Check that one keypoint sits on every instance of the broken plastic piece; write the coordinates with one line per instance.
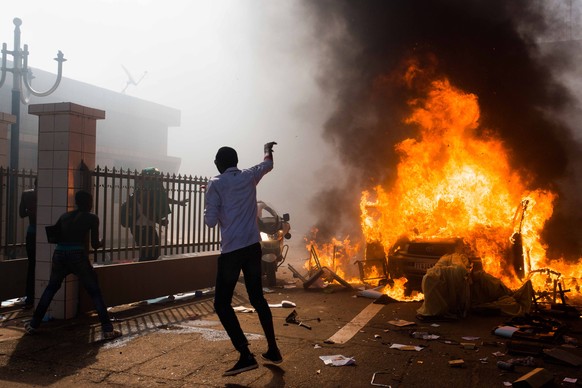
(456, 363)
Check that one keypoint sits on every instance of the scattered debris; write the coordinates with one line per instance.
(372, 294)
(531, 327)
(424, 335)
(570, 380)
(505, 365)
(470, 338)
(284, 303)
(524, 361)
(337, 360)
(457, 363)
(468, 345)
(525, 348)
(243, 309)
(292, 318)
(316, 346)
(320, 270)
(505, 331)
(498, 354)
(406, 347)
(563, 356)
(296, 274)
(538, 377)
(401, 323)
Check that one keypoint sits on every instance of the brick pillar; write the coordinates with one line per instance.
(5, 121)
(66, 139)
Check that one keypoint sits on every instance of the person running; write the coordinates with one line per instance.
(231, 202)
(76, 229)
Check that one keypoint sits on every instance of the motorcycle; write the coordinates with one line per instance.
(274, 231)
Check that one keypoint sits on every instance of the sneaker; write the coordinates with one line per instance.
(109, 335)
(273, 355)
(28, 329)
(243, 365)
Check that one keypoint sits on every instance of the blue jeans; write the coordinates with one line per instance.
(247, 260)
(76, 262)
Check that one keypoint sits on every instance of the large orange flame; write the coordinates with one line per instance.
(455, 180)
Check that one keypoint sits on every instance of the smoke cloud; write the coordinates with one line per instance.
(489, 48)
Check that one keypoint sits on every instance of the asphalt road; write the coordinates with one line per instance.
(180, 343)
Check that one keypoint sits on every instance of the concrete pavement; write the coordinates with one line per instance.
(181, 343)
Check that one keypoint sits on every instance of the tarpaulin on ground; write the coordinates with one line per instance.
(451, 288)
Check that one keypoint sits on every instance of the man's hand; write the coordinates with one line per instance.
(269, 147)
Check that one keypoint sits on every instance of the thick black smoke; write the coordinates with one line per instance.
(477, 46)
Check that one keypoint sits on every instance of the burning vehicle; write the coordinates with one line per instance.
(274, 231)
(447, 199)
(411, 259)
(442, 141)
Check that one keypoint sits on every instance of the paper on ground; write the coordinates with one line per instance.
(406, 347)
(337, 360)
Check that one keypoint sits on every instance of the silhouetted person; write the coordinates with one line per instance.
(231, 202)
(77, 229)
(152, 209)
(27, 208)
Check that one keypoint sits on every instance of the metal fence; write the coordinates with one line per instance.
(12, 227)
(148, 214)
(163, 214)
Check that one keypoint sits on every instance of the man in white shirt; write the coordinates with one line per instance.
(231, 202)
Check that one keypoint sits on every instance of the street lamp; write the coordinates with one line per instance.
(21, 75)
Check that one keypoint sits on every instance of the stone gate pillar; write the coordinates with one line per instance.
(5, 121)
(66, 140)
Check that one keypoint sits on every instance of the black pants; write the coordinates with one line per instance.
(146, 237)
(247, 260)
(75, 262)
(30, 271)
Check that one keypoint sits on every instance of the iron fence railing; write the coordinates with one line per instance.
(171, 208)
(148, 214)
(12, 227)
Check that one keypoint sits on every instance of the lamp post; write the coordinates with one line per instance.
(21, 76)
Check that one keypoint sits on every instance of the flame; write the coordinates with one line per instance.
(455, 180)
(337, 255)
(397, 291)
